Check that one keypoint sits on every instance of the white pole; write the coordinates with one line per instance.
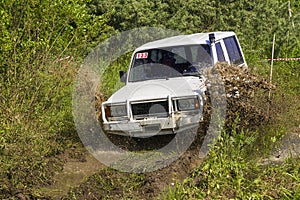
(288, 33)
(272, 61)
(271, 74)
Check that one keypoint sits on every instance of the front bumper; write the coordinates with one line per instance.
(153, 126)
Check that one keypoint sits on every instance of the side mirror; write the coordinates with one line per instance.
(212, 38)
(123, 76)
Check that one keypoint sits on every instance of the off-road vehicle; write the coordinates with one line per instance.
(164, 88)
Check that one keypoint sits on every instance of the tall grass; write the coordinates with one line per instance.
(229, 173)
(35, 125)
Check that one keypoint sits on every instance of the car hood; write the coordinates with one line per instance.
(157, 89)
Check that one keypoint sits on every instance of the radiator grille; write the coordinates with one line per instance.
(142, 110)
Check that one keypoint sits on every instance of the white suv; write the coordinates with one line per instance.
(165, 90)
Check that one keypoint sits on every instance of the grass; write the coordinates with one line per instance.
(35, 125)
(229, 173)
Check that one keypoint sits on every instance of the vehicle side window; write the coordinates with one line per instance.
(220, 52)
(233, 50)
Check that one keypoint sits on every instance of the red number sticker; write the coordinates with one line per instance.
(142, 55)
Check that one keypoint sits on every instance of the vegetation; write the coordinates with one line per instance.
(36, 82)
(230, 173)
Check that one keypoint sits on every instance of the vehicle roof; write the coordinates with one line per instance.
(180, 40)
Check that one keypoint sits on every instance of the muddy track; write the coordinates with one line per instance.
(80, 166)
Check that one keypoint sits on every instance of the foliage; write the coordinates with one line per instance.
(111, 79)
(36, 117)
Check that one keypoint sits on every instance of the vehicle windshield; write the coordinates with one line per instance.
(168, 62)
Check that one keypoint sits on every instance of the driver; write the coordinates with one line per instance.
(168, 59)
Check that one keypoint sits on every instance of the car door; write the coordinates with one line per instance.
(222, 55)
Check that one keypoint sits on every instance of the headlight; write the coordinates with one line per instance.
(115, 110)
(188, 104)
